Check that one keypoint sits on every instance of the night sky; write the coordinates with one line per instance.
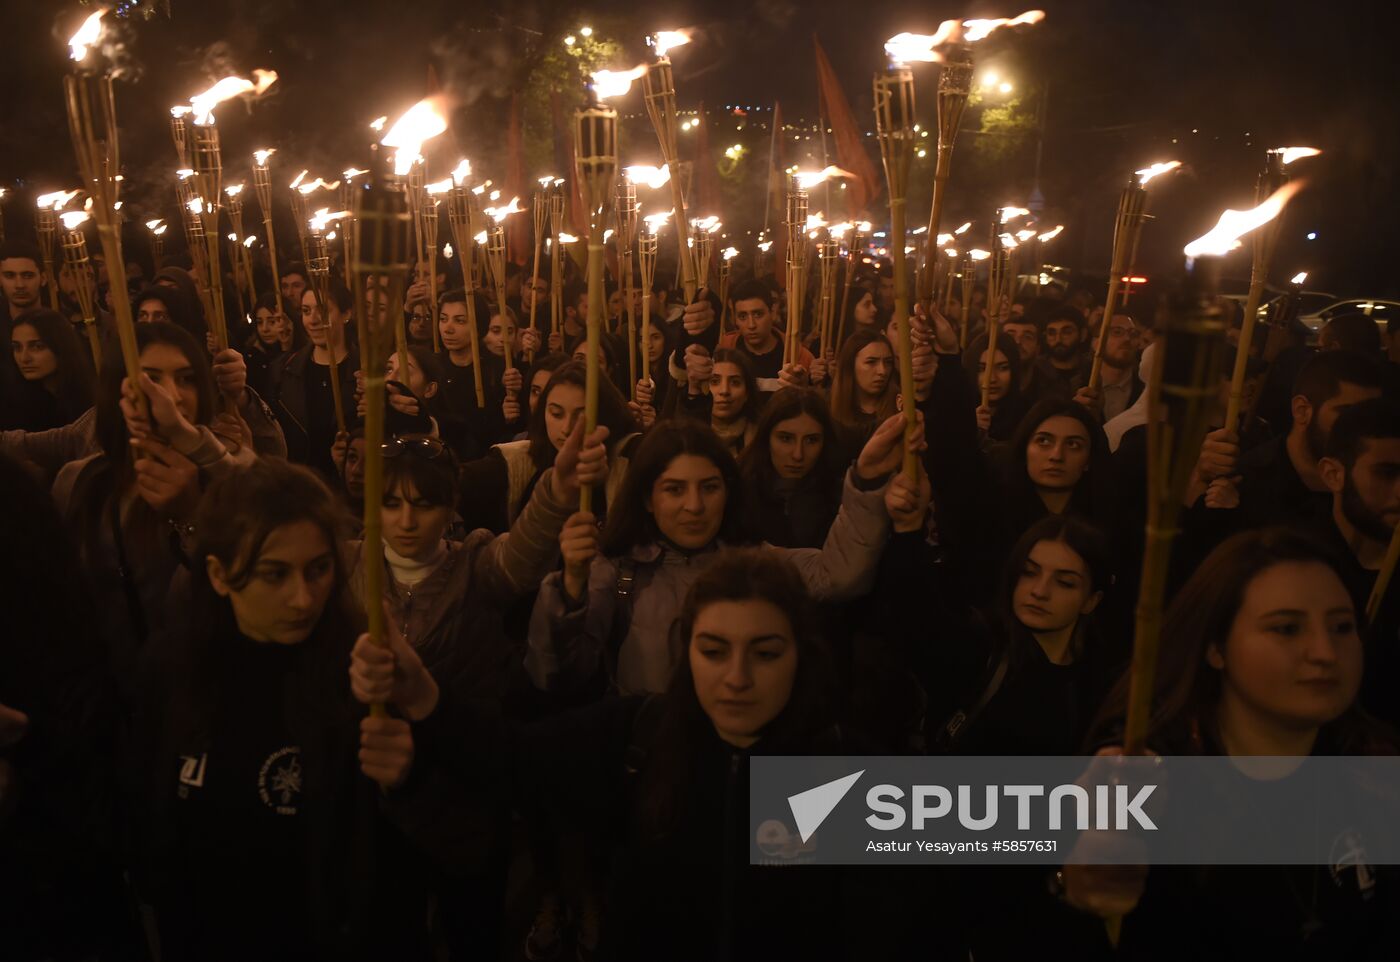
(1211, 83)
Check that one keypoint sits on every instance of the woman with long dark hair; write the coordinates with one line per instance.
(257, 828)
(863, 387)
(1057, 462)
(55, 369)
(793, 469)
(610, 611)
(669, 773)
(728, 401)
(265, 347)
(1261, 656)
(1006, 405)
(496, 488)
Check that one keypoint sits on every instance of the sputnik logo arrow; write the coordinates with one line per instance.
(810, 808)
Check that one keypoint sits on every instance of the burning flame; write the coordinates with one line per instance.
(1290, 154)
(55, 201)
(974, 30)
(648, 176)
(979, 255)
(665, 41)
(815, 220)
(1051, 234)
(615, 83)
(499, 214)
(462, 171)
(546, 181)
(203, 103)
(159, 230)
(764, 246)
(480, 238)
(919, 48)
(233, 190)
(260, 156)
(440, 187)
(964, 228)
(86, 36)
(323, 217)
(807, 179)
(180, 110)
(865, 227)
(447, 250)
(184, 173)
(566, 238)
(1024, 235)
(1011, 213)
(232, 236)
(299, 178)
(152, 224)
(1300, 278)
(944, 240)
(839, 230)
(706, 225)
(495, 195)
(306, 190)
(951, 251)
(1008, 242)
(73, 219)
(350, 173)
(423, 121)
(196, 205)
(250, 240)
(1147, 173)
(1234, 224)
(656, 221)
(729, 253)
(377, 124)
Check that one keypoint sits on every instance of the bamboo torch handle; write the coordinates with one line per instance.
(906, 341)
(595, 314)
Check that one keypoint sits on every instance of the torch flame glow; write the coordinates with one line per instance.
(447, 250)
(615, 83)
(656, 221)
(815, 220)
(377, 124)
(233, 190)
(440, 187)
(1290, 154)
(566, 238)
(1147, 173)
(920, 48)
(974, 30)
(87, 35)
(462, 171)
(250, 240)
(196, 205)
(306, 190)
(1051, 234)
(839, 230)
(73, 219)
(323, 217)
(152, 224)
(951, 251)
(180, 110)
(1024, 235)
(350, 173)
(708, 225)
(203, 103)
(260, 156)
(1008, 242)
(807, 179)
(499, 214)
(55, 201)
(764, 246)
(964, 228)
(159, 230)
(729, 253)
(648, 176)
(546, 181)
(944, 240)
(665, 41)
(1300, 278)
(423, 121)
(232, 236)
(865, 227)
(978, 254)
(1234, 224)
(184, 173)
(299, 178)
(1011, 213)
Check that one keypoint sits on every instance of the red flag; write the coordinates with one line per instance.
(851, 155)
(705, 198)
(773, 226)
(520, 239)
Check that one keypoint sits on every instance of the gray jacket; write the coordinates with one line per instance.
(568, 641)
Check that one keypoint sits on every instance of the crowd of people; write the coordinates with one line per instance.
(190, 768)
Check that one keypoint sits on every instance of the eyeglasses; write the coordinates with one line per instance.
(420, 444)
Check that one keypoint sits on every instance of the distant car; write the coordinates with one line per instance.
(1308, 301)
(1381, 311)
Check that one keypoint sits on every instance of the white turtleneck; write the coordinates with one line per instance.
(408, 571)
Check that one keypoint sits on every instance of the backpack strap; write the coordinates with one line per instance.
(959, 720)
(623, 592)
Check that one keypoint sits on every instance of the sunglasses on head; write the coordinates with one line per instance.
(420, 444)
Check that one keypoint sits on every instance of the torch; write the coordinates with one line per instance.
(1127, 229)
(234, 193)
(382, 254)
(299, 213)
(1264, 242)
(319, 268)
(626, 229)
(659, 84)
(92, 123)
(262, 184)
(180, 133)
(461, 207)
(894, 119)
(646, 258)
(157, 228)
(726, 257)
(954, 85)
(556, 257)
(540, 212)
(3, 192)
(595, 167)
(859, 232)
(828, 254)
(45, 231)
(76, 255)
(496, 261)
(796, 224)
(349, 197)
(430, 243)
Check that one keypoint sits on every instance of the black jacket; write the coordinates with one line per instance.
(288, 401)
